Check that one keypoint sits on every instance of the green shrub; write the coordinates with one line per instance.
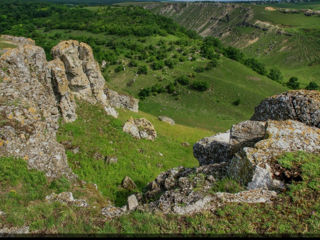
(200, 86)
(145, 92)
(157, 65)
(236, 102)
(60, 185)
(312, 86)
(199, 69)
(293, 83)
(119, 69)
(169, 63)
(183, 80)
(233, 53)
(142, 70)
(256, 66)
(170, 88)
(212, 64)
(275, 75)
(133, 64)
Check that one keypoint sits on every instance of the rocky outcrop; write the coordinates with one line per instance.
(18, 40)
(29, 112)
(35, 93)
(117, 100)
(246, 154)
(300, 105)
(190, 190)
(167, 120)
(66, 198)
(140, 128)
(65, 99)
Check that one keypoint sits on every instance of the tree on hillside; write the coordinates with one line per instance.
(312, 86)
(275, 75)
(293, 83)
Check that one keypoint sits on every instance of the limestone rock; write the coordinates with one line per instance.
(128, 183)
(167, 120)
(112, 212)
(14, 231)
(187, 191)
(18, 40)
(254, 165)
(140, 128)
(29, 112)
(65, 98)
(117, 100)
(132, 202)
(213, 149)
(66, 197)
(299, 105)
(111, 159)
(83, 72)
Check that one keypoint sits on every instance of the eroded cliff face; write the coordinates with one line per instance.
(35, 93)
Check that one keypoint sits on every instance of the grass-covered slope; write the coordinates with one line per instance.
(23, 192)
(98, 135)
(296, 52)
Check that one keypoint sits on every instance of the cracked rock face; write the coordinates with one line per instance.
(188, 190)
(117, 100)
(299, 105)
(254, 165)
(34, 93)
(29, 112)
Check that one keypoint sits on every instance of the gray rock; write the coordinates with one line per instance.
(299, 105)
(167, 120)
(132, 202)
(117, 100)
(67, 198)
(111, 159)
(140, 128)
(112, 212)
(128, 183)
(14, 231)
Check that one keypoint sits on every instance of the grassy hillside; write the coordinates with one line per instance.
(143, 50)
(295, 52)
(99, 135)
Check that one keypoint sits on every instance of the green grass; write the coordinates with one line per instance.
(94, 132)
(212, 109)
(5, 44)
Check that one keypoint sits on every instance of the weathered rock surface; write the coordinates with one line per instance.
(128, 183)
(300, 105)
(132, 202)
(117, 100)
(29, 112)
(14, 231)
(18, 40)
(189, 190)
(34, 93)
(167, 120)
(67, 198)
(254, 165)
(140, 128)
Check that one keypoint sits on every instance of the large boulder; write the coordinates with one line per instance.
(222, 146)
(140, 128)
(255, 166)
(300, 105)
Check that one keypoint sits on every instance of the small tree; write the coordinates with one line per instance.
(275, 75)
(200, 86)
(293, 83)
(312, 86)
(183, 80)
(142, 70)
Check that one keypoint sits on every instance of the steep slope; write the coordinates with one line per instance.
(286, 39)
